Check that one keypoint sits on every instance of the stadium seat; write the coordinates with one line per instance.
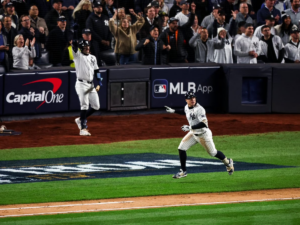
(108, 57)
(44, 60)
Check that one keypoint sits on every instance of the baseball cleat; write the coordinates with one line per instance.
(230, 167)
(84, 132)
(78, 122)
(180, 174)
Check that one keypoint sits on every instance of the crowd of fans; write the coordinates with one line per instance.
(150, 32)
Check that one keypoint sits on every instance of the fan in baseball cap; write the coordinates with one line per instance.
(61, 19)
(270, 17)
(172, 19)
(295, 29)
(86, 31)
(183, 2)
(9, 4)
(97, 3)
(154, 4)
(217, 6)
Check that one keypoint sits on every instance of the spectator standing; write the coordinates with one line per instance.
(228, 7)
(158, 18)
(109, 8)
(99, 26)
(44, 6)
(150, 21)
(4, 50)
(125, 37)
(3, 3)
(294, 12)
(57, 40)
(283, 30)
(243, 15)
(270, 21)
(250, 12)
(175, 8)
(67, 56)
(152, 48)
(140, 6)
(163, 7)
(20, 7)
(266, 11)
(220, 21)
(10, 34)
(36, 21)
(21, 53)
(183, 16)
(53, 15)
(29, 32)
(204, 47)
(223, 55)
(81, 13)
(210, 18)
(174, 39)
(292, 49)
(247, 47)
(272, 49)
(10, 11)
(68, 7)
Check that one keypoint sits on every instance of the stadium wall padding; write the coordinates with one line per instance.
(261, 88)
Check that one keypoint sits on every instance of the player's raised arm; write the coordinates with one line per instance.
(75, 38)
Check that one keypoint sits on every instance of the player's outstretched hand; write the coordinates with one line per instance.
(185, 128)
(98, 88)
(170, 110)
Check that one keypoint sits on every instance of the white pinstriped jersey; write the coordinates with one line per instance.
(196, 115)
(85, 66)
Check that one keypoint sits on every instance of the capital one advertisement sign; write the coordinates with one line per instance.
(36, 93)
(169, 86)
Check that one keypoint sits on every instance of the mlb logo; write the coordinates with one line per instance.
(160, 88)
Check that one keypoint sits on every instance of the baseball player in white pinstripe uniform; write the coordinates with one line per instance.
(86, 68)
(198, 132)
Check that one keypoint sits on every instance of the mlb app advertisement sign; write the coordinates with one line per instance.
(36, 93)
(169, 86)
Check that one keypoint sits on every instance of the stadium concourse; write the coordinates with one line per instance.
(63, 131)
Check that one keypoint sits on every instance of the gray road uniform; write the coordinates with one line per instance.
(202, 136)
(243, 46)
(205, 52)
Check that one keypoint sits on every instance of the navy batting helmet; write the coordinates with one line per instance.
(83, 43)
(189, 95)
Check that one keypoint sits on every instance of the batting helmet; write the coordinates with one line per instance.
(82, 44)
(189, 95)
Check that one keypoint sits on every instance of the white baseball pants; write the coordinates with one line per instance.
(89, 98)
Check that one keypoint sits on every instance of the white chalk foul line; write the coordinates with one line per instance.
(147, 207)
(58, 206)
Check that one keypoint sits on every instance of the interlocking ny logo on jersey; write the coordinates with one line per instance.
(193, 116)
(48, 97)
(93, 61)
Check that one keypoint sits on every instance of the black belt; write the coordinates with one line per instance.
(200, 134)
(85, 81)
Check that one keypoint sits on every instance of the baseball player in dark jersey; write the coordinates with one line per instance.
(86, 69)
(198, 132)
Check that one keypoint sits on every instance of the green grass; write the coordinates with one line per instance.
(278, 212)
(273, 148)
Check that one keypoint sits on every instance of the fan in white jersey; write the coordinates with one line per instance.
(198, 132)
(86, 68)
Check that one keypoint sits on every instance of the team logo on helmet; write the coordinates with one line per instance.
(189, 95)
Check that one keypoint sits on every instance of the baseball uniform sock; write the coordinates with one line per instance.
(90, 112)
(220, 155)
(83, 119)
(182, 156)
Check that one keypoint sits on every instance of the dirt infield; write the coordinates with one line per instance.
(148, 202)
(107, 129)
